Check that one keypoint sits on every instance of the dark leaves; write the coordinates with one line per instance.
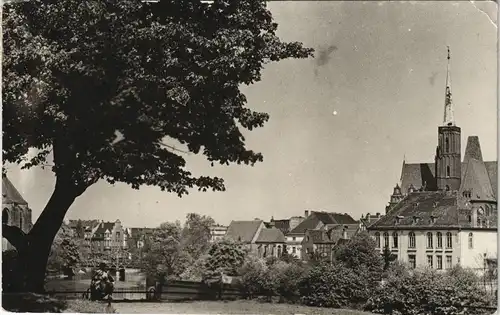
(76, 73)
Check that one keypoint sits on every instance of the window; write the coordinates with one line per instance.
(439, 237)
(395, 239)
(412, 261)
(448, 171)
(20, 221)
(478, 221)
(5, 216)
(294, 250)
(449, 240)
(293, 238)
(377, 239)
(386, 239)
(411, 240)
(447, 188)
(470, 218)
(117, 234)
(430, 261)
(429, 240)
(471, 241)
(447, 145)
(448, 262)
(439, 262)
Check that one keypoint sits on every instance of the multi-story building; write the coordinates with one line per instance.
(316, 220)
(108, 236)
(15, 210)
(444, 213)
(217, 232)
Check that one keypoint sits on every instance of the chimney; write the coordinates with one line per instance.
(378, 214)
(306, 213)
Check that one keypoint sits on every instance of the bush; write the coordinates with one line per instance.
(289, 277)
(254, 274)
(333, 285)
(428, 292)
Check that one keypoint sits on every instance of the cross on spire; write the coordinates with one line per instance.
(448, 119)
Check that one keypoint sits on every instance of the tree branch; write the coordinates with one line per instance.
(173, 148)
(15, 236)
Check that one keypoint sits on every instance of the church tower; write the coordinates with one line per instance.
(448, 158)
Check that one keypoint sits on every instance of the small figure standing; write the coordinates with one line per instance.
(102, 284)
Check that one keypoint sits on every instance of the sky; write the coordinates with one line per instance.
(381, 67)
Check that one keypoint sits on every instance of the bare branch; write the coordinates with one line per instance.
(174, 148)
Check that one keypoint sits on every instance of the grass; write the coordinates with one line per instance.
(232, 307)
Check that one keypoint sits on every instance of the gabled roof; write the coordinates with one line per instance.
(477, 181)
(282, 225)
(243, 231)
(10, 195)
(140, 232)
(102, 228)
(272, 235)
(316, 217)
(423, 209)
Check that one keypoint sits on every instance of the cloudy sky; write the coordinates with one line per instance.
(380, 66)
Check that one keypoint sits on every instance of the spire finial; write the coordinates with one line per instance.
(448, 119)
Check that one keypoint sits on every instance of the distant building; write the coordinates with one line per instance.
(369, 219)
(323, 242)
(83, 228)
(217, 232)
(316, 220)
(444, 213)
(139, 236)
(285, 225)
(16, 211)
(108, 236)
(259, 240)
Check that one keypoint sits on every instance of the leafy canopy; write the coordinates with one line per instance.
(100, 86)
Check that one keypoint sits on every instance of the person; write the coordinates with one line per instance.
(102, 283)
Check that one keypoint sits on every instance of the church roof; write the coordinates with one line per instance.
(477, 181)
(481, 176)
(10, 195)
(243, 231)
(272, 235)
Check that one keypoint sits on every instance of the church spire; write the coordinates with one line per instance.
(448, 119)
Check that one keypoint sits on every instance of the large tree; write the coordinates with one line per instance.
(196, 234)
(98, 87)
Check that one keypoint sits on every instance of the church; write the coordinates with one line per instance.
(15, 210)
(444, 213)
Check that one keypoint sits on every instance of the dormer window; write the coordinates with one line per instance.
(399, 218)
(433, 219)
(415, 219)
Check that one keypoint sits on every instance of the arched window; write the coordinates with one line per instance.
(470, 218)
(5, 216)
(447, 188)
(448, 171)
(429, 240)
(471, 241)
(411, 240)
(447, 145)
(449, 240)
(20, 221)
(386, 239)
(377, 239)
(439, 237)
(395, 239)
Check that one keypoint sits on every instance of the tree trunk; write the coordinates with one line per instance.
(35, 255)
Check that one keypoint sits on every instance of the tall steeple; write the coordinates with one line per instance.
(449, 119)
(448, 161)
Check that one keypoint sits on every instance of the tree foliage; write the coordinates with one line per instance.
(165, 257)
(224, 257)
(359, 254)
(65, 254)
(104, 89)
(196, 234)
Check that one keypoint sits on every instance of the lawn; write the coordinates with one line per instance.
(232, 307)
